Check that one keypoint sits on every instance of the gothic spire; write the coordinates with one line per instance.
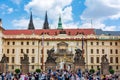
(31, 25)
(46, 24)
(60, 23)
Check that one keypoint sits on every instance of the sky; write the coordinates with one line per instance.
(98, 14)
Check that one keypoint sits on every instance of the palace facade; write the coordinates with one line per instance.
(95, 42)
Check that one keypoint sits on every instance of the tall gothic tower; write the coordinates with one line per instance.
(46, 24)
(31, 25)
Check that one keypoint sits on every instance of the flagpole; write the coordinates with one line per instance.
(82, 45)
(43, 52)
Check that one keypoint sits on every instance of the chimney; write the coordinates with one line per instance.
(0, 22)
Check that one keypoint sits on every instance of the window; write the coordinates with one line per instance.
(110, 43)
(8, 59)
(116, 59)
(22, 43)
(21, 58)
(33, 59)
(13, 50)
(13, 60)
(116, 44)
(116, 51)
(97, 59)
(97, 43)
(8, 43)
(111, 51)
(92, 60)
(102, 43)
(13, 43)
(111, 59)
(33, 43)
(98, 67)
(20, 66)
(103, 51)
(91, 51)
(47, 43)
(27, 50)
(27, 43)
(97, 51)
(7, 50)
(32, 66)
(91, 67)
(41, 60)
(12, 66)
(117, 68)
(21, 50)
(91, 43)
(33, 50)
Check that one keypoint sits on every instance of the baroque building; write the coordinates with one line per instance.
(36, 43)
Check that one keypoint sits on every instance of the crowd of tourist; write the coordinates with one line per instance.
(59, 75)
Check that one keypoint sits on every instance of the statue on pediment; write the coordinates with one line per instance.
(50, 57)
(4, 59)
(78, 55)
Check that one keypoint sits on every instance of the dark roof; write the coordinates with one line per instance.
(112, 33)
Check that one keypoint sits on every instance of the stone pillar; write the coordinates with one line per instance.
(3, 64)
(80, 65)
(25, 68)
(105, 68)
(3, 67)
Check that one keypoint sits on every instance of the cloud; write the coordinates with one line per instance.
(10, 10)
(3, 6)
(54, 9)
(98, 25)
(4, 9)
(23, 23)
(100, 10)
(16, 1)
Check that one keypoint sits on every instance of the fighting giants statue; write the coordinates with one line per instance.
(78, 56)
(50, 62)
(104, 65)
(25, 63)
(104, 58)
(79, 60)
(50, 57)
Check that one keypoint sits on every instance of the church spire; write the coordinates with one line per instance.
(31, 25)
(60, 23)
(46, 24)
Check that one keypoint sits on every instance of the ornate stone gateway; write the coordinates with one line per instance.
(62, 58)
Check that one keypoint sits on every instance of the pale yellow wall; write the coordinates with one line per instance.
(53, 43)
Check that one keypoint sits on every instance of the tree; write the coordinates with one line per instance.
(111, 71)
(38, 70)
(92, 71)
(17, 71)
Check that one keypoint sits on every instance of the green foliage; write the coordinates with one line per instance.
(98, 68)
(111, 71)
(17, 71)
(38, 70)
(92, 71)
